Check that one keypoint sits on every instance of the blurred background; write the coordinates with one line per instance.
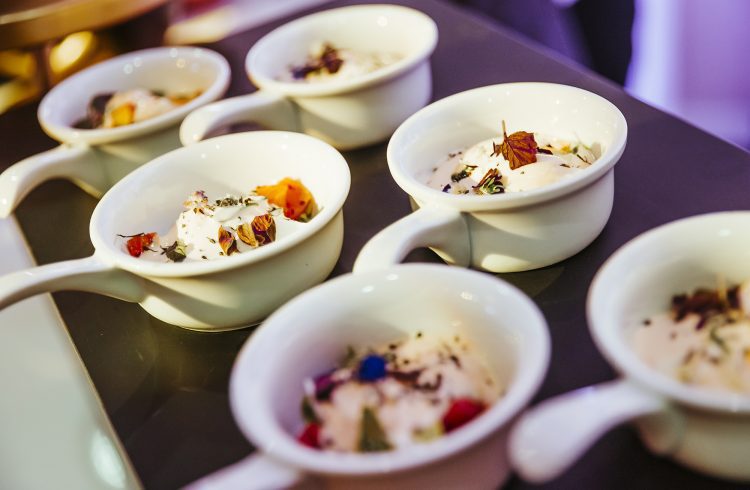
(683, 56)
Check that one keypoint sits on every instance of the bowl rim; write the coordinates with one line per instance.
(620, 355)
(68, 134)
(424, 194)
(267, 81)
(335, 166)
(260, 426)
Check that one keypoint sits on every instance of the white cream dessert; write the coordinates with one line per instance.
(210, 229)
(129, 106)
(403, 393)
(326, 62)
(704, 340)
(483, 168)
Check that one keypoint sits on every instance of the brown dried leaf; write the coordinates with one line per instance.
(519, 148)
(264, 229)
(245, 233)
(226, 241)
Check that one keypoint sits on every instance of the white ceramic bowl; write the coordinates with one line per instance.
(501, 232)
(309, 334)
(704, 429)
(234, 291)
(97, 158)
(345, 113)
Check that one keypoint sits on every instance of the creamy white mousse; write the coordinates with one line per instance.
(462, 171)
(197, 228)
(410, 406)
(353, 64)
(145, 105)
(707, 350)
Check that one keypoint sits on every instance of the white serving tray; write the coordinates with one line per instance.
(54, 432)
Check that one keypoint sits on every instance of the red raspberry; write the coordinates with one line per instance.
(460, 412)
(309, 436)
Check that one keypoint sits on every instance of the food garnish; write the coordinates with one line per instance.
(226, 241)
(111, 110)
(292, 196)
(208, 229)
(175, 252)
(405, 392)
(491, 183)
(139, 242)
(328, 60)
(518, 149)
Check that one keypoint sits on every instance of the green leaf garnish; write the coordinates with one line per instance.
(308, 412)
(372, 437)
(427, 434)
(175, 252)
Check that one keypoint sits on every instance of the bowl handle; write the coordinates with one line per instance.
(256, 472)
(553, 435)
(89, 274)
(269, 110)
(73, 162)
(428, 226)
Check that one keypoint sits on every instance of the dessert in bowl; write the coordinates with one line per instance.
(496, 223)
(408, 306)
(231, 291)
(153, 91)
(689, 402)
(374, 74)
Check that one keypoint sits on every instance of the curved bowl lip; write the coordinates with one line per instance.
(622, 356)
(69, 134)
(268, 82)
(335, 166)
(260, 425)
(421, 192)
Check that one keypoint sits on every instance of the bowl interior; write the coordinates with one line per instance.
(366, 28)
(372, 309)
(424, 140)
(640, 279)
(150, 198)
(171, 70)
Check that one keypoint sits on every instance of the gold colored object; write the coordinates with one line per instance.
(32, 22)
(45, 41)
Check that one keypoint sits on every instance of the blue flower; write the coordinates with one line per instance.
(371, 368)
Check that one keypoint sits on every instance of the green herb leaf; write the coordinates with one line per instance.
(175, 252)
(427, 434)
(491, 183)
(308, 412)
(463, 173)
(372, 437)
(349, 358)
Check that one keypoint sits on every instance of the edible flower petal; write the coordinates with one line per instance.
(371, 368)
(310, 436)
(461, 411)
(226, 241)
(245, 233)
(264, 229)
(324, 385)
(292, 196)
(136, 244)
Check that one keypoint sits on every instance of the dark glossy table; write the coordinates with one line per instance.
(165, 388)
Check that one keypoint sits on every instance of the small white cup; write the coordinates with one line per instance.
(347, 113)
(308, 335)
(97, 158)
(703, 429)
(230, 292)
(503, 232)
